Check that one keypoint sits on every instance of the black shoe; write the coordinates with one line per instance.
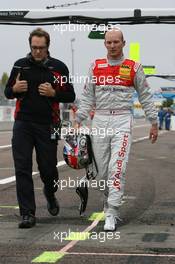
(28, 221)
(52, 203)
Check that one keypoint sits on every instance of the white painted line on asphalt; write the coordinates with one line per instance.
(5, 132)
(5, 146)
(148, 125)
(8, 180)
(147, 137)
(13, 178)
(62, 162)
(139, 139)
(122, 254)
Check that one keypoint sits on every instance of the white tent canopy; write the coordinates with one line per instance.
(89, 16)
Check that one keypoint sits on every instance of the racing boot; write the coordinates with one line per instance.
(110, 223)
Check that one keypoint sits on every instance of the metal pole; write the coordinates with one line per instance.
(72, 55)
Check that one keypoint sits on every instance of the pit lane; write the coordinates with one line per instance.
(148, 214)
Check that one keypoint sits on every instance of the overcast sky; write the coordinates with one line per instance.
(156, 41)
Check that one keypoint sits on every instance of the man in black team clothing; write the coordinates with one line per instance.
(38, 82)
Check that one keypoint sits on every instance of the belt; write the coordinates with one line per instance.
(112, 112)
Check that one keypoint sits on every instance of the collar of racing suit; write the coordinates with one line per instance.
(116, 62)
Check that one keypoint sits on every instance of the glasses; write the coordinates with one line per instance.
(34, 48)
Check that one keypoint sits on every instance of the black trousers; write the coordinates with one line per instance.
(26, 137)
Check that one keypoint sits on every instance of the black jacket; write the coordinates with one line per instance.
(31, 106)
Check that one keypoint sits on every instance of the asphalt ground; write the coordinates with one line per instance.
(145, 235)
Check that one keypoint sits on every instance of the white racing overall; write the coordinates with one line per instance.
(109, 87)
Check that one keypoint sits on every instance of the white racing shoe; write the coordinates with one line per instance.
(110, 223)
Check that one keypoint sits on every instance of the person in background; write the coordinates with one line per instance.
(161, 115)
(168, 119)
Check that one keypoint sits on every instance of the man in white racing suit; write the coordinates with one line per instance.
(110, 86)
